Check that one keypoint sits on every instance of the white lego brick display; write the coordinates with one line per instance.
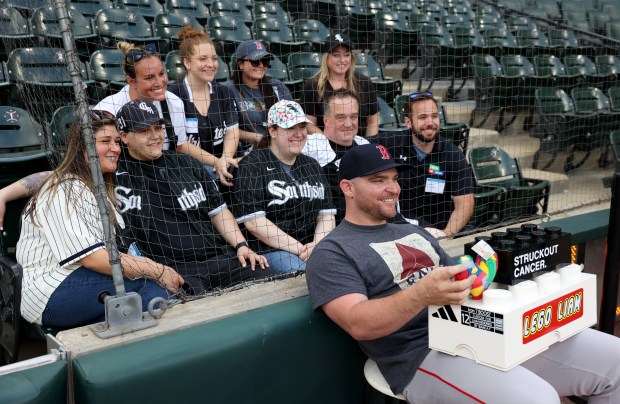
(513, 323)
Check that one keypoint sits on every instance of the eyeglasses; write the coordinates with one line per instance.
(137, 54)
(413, 96)
(255, 63)
(100, 115)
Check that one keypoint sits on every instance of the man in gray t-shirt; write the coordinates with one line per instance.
(375, 280)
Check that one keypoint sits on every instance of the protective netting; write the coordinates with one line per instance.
(528, 94)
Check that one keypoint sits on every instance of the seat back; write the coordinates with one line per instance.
(60, 125)
(273, 10)
(10, 302)
(553, 101)
(563, 38)
(589, 100)
(303, 65)
(90, 8)
(118, 24)
(614, 98)
(579, 65)
(146, 8)
(167, 26)
(277, 69)
(314, 32)
(492, 165)
(520, 22)
(227, 33)
(45, 24)
(269, 29)
(40, 66)
(107, 67)
(197, 9)
(235, 9)
(174, 66)
(608, 65)
(517, 66)
(549, 66)
(387, 115)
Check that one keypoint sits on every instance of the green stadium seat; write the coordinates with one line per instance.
(520, 22)
(556, 130)
(551, 72)
(272, 10)
(313, 32)
(583, 70)
(167, 25)
(396, 39)
(198, 9)
(515, 89)
(487, 75)
(234, 9)
(296, 8)
(532, 41)
(387, 117)
(147, 8)
(46, 26)
(278, 36)
(488, 21)
(441, 58)
(488, 9)
(551, 7)
(488, 206)
(564, 42)
(525, 197)
(107, 68)
(464, 11)
(227, 33)
(116, 25)
(360, 22)
(58, 130)
(324, 11)
(303, 65)
(10, 301)
(499, 41)
(90, 8)
(279, 71)
(15, 31)
(608, 67)
(387, 87)
(593, 113)
(42, 79)
(22, 152)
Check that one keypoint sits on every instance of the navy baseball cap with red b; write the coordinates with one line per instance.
(367, 159)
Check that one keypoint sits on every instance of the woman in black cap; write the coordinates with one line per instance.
(255, 91)
(338, 71)
(211, 118)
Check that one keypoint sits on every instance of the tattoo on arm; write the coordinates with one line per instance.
(31, 182)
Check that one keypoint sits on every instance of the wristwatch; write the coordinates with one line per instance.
(241, 244)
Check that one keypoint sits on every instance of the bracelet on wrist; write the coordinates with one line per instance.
(241, 244)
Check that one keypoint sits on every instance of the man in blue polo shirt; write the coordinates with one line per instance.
(438, 191)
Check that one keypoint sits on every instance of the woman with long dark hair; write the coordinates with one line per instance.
(62, 247)
(256, 92)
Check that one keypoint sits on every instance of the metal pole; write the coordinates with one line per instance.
(611, 276)
(83, 112)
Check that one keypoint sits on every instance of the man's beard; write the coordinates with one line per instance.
(422, 139)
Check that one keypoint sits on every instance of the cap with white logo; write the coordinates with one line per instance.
(138, 115)
(335, 40)
(286, 114)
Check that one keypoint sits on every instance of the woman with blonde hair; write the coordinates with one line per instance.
(211, 118)
(338, 72)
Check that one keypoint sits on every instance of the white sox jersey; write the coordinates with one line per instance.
(291, 201)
